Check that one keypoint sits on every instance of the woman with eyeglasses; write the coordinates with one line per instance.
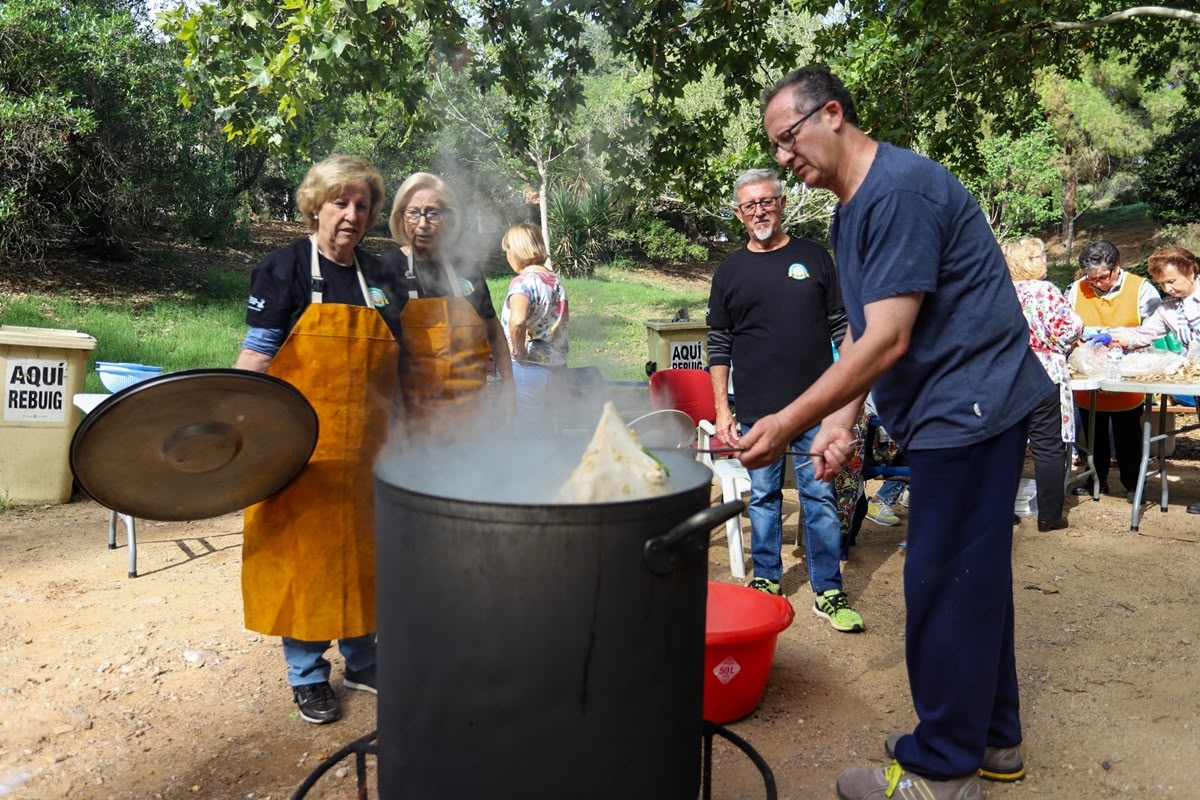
(448, 322)
(1107, 296)
(316, 320)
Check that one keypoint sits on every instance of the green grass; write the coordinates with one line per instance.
(182, 330)
(203, 327)
(1115, 215)
(609, 313)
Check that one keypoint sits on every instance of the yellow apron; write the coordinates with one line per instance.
(445, 364)
(1110, 312)
(308, 555)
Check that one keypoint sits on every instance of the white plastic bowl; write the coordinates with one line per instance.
(115, 378)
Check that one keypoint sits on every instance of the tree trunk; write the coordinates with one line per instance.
(543, 187)
(1068, 223)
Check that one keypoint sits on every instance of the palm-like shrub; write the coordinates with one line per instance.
(581, 226)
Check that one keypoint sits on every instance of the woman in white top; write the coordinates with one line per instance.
(535, 320)
(1174, 269)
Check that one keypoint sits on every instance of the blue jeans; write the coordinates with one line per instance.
(818, 506)
(531, 384)
(891, 490)
(307, 663)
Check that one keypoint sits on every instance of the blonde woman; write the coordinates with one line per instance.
(449, 326)
(319, 318)
(535, 319)
(1053, 330)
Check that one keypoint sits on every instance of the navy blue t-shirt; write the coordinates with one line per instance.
(429, 279)
(969, 373)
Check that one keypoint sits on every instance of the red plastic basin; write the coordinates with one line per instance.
(741, 628)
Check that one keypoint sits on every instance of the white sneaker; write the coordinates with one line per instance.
(903, 497)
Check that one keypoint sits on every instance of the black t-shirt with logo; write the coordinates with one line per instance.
(281, 287)
(428, 279)
(781, 307)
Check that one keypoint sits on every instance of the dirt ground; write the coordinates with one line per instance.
(135, 689)
(127, 689)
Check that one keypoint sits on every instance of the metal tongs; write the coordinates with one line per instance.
(733, 451)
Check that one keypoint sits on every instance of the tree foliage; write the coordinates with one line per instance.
(675, 84)
(90, 135)
(1172, 172)
(271, 66)
(1018, 188)
(939, 72)
(1103, 122)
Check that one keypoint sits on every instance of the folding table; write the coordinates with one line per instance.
(1149, 437)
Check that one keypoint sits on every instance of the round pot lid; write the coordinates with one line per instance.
(194, 444)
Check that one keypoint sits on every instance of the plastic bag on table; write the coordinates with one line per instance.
(1193, 350)
(1141, 363)
(1090, 359)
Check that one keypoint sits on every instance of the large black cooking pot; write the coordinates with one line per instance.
(535, 650)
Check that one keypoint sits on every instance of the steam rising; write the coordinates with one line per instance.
(480, 459)
(469, 450)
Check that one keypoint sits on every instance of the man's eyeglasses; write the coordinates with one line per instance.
(788, 137)
(765, 203)
(434, 215)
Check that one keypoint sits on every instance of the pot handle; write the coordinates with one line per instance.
(662, 552)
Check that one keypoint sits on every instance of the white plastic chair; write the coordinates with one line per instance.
(735, 481)
(690, 391)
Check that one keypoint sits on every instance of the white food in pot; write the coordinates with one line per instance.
(614, 467)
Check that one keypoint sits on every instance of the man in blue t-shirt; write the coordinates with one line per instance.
(936, 332)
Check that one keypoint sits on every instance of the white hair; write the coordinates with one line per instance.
(756, 176)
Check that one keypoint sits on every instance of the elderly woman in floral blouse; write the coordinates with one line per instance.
(1054, 327)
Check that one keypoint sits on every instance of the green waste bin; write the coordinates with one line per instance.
(43, 370)
(677, 345)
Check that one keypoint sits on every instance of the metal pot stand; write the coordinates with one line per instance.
(368, 745)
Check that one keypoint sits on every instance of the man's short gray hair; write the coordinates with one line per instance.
(756, 176)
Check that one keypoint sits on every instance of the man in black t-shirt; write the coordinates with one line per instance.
(775, 310)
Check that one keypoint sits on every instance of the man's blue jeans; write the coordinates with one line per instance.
(307, 663)
(818, 506)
